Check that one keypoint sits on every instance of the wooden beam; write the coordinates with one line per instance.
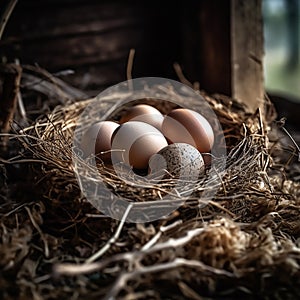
(206, 44)
(214, 47)
(223, 48)
(247, 52)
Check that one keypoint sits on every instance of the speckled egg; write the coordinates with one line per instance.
(178, 160)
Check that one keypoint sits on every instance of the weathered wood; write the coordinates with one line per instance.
(206, 44)
(214, 31)
(223, 48)
(218, 43)
(94, 38)
(247, 52)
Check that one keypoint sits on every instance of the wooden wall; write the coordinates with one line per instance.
(217, 43)
(94, 38)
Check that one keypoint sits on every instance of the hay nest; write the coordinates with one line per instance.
(243, 243)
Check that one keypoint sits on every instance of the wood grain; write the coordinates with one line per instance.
(247, 53)
(94, 38)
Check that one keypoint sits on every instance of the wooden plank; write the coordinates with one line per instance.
(76, 50)
(214, 47)
(94, 38)
(206, 44)
(223, 48)
(218, 43)
(247, 52)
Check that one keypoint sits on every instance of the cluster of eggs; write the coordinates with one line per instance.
(145, 139)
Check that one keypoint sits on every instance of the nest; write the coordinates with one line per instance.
(243, 243)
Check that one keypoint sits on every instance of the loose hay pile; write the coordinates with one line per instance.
(243, 244)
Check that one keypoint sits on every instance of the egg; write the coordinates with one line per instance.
(97, 139)
(178, 160)
(135, 142)
(187, 126)
(144, 113)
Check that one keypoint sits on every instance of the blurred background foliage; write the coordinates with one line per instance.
(282, 51)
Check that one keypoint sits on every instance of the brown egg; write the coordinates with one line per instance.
(144, 113)
(135, 142)
(207, 159)
(97, 139)
(187, 126)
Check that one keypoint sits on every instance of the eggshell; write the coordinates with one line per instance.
(97, 139)
(144, 113)
(187, 126)
(177, 160)
(135, 142)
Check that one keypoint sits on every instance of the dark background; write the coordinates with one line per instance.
(94, 39)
